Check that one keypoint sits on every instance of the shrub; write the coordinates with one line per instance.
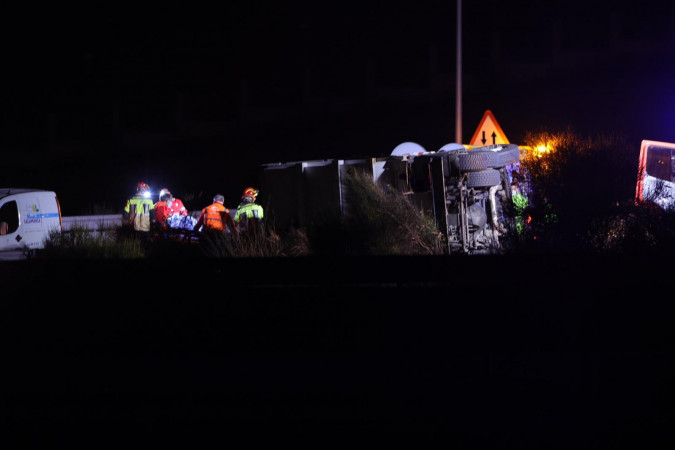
(642, 228)
(82, 243)
(574, 184)
(379, 221)
(256, 241)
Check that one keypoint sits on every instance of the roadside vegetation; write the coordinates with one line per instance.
(380, 222)
(581, 197)
(580, 194)
(81, 243)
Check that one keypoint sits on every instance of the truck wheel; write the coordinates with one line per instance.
(472, 162)
(484, 178)
(506, 155)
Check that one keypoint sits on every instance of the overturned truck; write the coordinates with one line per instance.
(464, 190)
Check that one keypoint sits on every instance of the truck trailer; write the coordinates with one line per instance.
(463, 189)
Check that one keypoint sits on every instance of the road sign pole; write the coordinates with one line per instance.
(458, 94)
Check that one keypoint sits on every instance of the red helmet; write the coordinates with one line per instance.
(250, 192)
(142, 188)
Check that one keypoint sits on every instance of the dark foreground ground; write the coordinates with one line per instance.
(564, 352)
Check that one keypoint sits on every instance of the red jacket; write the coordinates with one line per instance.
(164, 210)
(161, 213)
(175, 206)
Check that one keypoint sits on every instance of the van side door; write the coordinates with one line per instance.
(9, 224)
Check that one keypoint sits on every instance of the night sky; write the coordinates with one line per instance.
(196, 96)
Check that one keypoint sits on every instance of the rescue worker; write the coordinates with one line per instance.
(248, 209)
(173, 205)
(162, 210)
(138, 213)
(520, 202)
(175, 215)
(215, 216)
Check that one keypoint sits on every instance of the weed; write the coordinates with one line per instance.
(82, 243)
(378, 221)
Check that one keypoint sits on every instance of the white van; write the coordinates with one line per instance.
(27, 217)
(656, 174)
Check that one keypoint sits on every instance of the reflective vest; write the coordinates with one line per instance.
(249, 211)
(138, 210)
(211, 215)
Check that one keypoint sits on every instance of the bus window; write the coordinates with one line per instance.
(660, 163)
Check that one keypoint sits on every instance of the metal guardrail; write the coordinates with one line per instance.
(99, 222)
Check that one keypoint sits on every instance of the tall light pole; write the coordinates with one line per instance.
(458, 94)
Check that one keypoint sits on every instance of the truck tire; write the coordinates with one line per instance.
(509, 155)
(506, 155)
(472, 162)
(484, 178)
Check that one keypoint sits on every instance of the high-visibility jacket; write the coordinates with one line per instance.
(211, 216)
(249, 211)
(137, 212)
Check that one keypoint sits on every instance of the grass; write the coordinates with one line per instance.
(381, 221)
(257, 241)
(81, 243)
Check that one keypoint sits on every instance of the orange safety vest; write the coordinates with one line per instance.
(212, 216)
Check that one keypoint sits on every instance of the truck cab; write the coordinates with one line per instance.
(27, 217)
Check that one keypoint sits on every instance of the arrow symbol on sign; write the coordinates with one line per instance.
(483, 140)
(494, 138)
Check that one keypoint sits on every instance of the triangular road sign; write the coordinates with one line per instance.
(488, 132)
